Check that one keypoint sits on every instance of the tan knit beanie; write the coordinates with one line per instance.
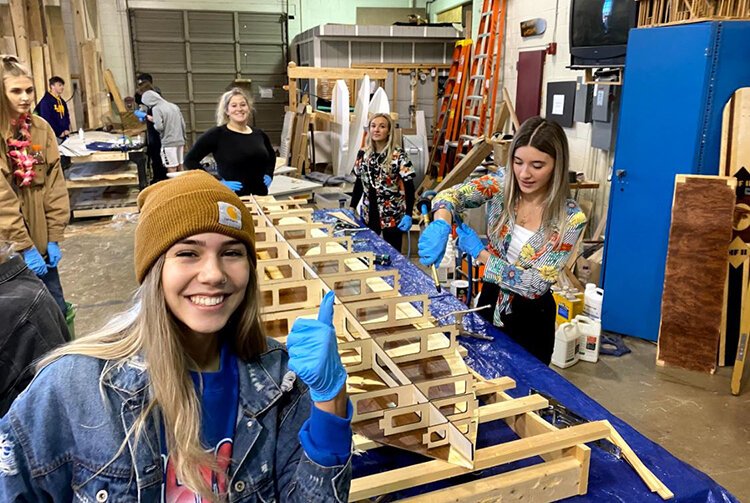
(189, 204)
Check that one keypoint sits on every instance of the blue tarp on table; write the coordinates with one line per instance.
(610, 479)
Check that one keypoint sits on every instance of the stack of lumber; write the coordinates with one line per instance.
(95, 97)
(659, 12)
(34, 32)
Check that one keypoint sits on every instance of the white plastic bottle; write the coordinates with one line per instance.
(447, 267)
(566, 352)
(589, 333)
(592, 301)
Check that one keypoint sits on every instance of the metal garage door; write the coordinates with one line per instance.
(194, 56)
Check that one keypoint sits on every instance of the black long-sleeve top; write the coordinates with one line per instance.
(240, 157)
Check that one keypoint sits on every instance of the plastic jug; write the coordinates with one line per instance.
(565, 352)
(592, 301)
(447, 267)
(589, 332)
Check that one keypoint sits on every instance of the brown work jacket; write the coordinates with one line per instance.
(36, 214)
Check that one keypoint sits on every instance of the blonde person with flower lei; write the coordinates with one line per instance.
(532, 226)
(34, 205)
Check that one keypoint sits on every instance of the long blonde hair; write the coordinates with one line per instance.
(151, 331)
(11, 67)
(389, 146)
(221, 110)
(548, 137)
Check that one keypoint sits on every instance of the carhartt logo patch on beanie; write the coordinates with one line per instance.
(229, 215)
(189, 204)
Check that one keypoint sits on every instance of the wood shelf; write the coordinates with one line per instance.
(104, 207)
(101, 157)
(89, 183)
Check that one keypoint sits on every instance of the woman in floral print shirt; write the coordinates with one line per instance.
(386, 179)
(532, 227)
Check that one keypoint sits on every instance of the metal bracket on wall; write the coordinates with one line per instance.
(603, 77)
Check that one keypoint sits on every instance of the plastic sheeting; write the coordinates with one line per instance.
(610, 479)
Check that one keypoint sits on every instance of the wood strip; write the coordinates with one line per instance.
(742, 347)
(312, 72)
(34, 23)
(513, 407)
(654, 484)
(431, 471)
(59, 57)
(556, 480)
(21, 37)
(462, 170)
(109, 81)
(37, 71)
(695, 271)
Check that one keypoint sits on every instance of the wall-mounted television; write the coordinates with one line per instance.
(599, 32)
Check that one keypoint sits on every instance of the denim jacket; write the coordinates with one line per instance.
(59, 439)
(31, 324)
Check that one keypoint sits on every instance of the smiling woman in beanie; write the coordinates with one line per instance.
(182, 398)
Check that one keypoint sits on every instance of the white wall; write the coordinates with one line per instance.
(594, 163)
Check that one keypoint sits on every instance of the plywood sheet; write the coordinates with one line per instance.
(696, 269)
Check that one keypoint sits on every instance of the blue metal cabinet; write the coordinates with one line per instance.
(678, 79)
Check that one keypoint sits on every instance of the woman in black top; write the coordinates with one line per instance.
(244, 156)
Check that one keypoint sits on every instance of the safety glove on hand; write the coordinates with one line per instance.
(314, 354)
(233, 186)
(34, 261)
(405, 224)
(432, 242)
(53, 253)
(468, 241)
(267, 180)
(140, 114)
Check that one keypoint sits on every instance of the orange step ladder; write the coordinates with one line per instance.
(448, 121)
(479, 104)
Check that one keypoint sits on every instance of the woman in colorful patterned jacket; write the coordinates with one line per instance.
(532, 226)
(183, 398)
(34, 205)
(386, 179)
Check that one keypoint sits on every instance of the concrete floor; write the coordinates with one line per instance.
(692, 415)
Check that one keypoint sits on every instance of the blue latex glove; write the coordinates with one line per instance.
(468, 241)
(233, 186)
(405, 224)
(140, 114)
(53, 253)
(314, 354)
(432, 242)
(34, 261)
(267, 180)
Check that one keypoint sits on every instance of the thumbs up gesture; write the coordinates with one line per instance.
(314, 355)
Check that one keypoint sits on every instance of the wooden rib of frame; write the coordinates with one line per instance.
(407, 380)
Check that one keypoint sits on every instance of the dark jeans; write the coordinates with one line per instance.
(52, 281)
(392, 236)
(153, 150)
(531, 322)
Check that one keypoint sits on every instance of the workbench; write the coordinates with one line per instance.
(610, 479)
(92, 175)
